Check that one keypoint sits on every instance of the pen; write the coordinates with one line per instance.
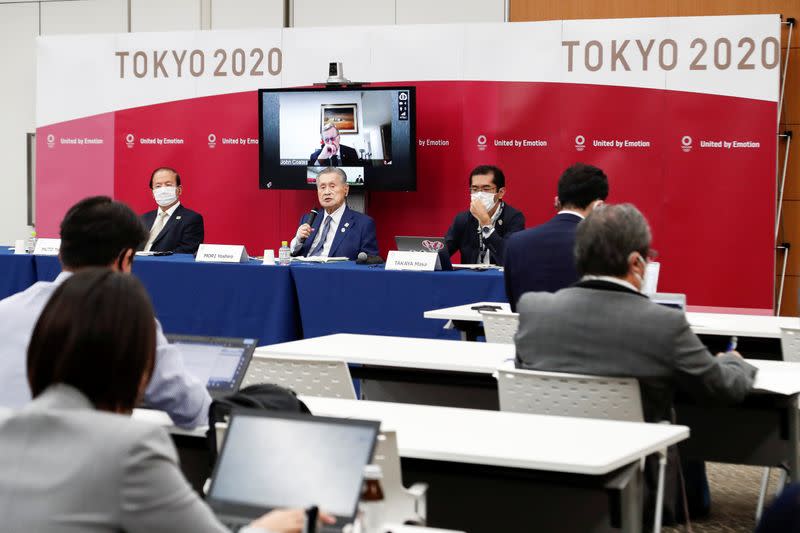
(732, 344)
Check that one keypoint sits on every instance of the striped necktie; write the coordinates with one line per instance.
(322, 238)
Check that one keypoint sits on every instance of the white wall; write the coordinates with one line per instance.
(21, 21)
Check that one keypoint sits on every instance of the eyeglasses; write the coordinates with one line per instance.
(330, 139)
(485, 188)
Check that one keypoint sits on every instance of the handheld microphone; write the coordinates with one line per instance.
(312, 216)
(364, 259)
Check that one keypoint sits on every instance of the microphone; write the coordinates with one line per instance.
(312, 216)
(364, 259)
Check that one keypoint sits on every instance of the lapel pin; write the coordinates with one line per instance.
(342, 230)
(346, 224)
(177, 218)
(500, 222)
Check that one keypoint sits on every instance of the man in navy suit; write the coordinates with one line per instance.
(542, 258)
(332, 153)
(173, 228)
(480, 233)
(337, 231)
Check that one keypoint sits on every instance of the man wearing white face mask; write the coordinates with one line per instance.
(173, 228)
(604, 326)
(480, 234)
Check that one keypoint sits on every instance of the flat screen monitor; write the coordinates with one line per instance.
(368, 132)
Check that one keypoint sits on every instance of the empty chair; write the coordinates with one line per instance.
(500, 326)
(578, 395)
(306, 376)
(400, 504)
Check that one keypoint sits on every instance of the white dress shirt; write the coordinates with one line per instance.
(610, 279)
(326, 248)
(171, 388)
(571, 212)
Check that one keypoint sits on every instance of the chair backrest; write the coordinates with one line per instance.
(790, 344)
(305, 376)
(500, 326)
(398, 505)
(551, 393)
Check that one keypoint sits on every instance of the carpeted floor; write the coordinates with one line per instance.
(734, 494)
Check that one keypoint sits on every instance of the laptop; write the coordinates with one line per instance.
(221, 362)
(425, 244)
(272, 460)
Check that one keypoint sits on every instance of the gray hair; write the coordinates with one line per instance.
(328, 126)
(334, 170)
(605, 240)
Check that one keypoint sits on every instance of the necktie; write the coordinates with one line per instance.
(156, 229)
(322, 238)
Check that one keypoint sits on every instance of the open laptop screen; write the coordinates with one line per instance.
(271, 460)
(220, 362)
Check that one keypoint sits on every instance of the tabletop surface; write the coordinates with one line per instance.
(745, 325)
(404, 352)
(539, 442)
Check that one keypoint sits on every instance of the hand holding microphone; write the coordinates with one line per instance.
(305, 230)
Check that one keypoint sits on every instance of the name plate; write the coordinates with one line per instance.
(421, 261)
(221, 253)
(19, 247)
(47, 247)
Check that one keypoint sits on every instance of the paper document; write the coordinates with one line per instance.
(475, 266)
(318, 259)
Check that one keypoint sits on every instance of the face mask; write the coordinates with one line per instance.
(165, 195)
(486, 198)
(643, 278)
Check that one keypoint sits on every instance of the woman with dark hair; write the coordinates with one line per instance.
(68, 460)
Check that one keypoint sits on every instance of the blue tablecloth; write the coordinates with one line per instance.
(225, 300)
(350, 298)
(17, 272)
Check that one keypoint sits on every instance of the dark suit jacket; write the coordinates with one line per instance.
(348, 157)
(541, 258)
(182, 234)
(604, 329)
(463, 235)
(358, 235)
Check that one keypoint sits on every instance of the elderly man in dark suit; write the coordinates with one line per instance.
(338, 231)
(172, 227)
(604, 326)
(332, 152)
(480, 233)
(540, 258)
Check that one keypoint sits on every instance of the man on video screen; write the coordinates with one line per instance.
(332, 153)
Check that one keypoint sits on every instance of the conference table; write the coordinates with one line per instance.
(17, 272)
(491, 471)
(764, 430)
(212, 299)
(759, 334)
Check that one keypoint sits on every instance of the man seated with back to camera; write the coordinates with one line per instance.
(173, 227)
(604, 326)
(541, 258)
(480, 233)
(73, 460)
(96, 232)
(344, 233)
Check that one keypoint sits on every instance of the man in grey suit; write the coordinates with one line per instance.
(604, 326)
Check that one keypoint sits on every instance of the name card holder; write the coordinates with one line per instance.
(221, 253)
(420, 261)
(47, 247)
(19, 247)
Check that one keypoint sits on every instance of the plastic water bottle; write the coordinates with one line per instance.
(371, 506)
(31, 244)
(284, 254)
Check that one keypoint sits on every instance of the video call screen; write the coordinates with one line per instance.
(368, 132)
